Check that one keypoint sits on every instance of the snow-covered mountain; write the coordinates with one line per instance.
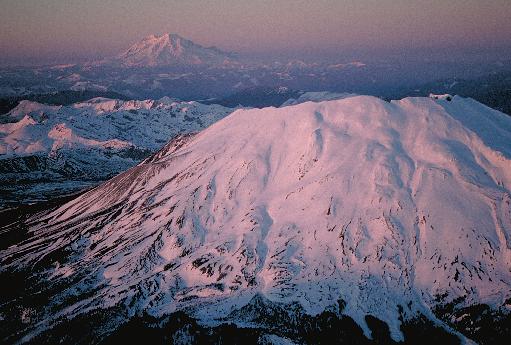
(88, 141)
(356, 207)
(171, 50)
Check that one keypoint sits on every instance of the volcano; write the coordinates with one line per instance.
(171, 50)
(358, 207)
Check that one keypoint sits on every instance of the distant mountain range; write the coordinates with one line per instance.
(258, 96)
(493, 89)
(65, 97)
(50, 150)
(171, 65)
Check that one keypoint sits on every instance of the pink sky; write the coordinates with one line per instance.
(72, 29)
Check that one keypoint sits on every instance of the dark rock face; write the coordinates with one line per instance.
(289, 326)
(478, 322)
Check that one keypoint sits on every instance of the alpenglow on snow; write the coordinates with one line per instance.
(375, 203)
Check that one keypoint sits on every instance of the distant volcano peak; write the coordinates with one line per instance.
(171, 49)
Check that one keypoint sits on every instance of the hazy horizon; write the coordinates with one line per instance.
(52, 31)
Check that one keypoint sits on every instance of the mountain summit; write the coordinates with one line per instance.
(355, 206)
(171, 50)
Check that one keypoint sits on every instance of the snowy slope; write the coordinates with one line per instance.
(380, 204)
(92, 140)
(171, 50)
(147, 124)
